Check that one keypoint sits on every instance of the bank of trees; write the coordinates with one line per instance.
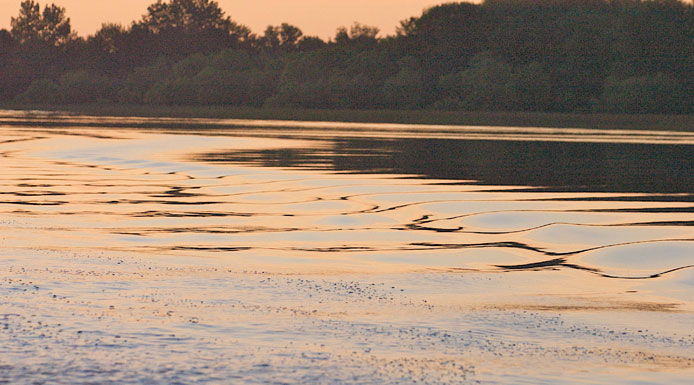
(513, 55)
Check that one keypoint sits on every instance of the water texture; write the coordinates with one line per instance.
(216, 251)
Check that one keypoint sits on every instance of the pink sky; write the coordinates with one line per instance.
(314, 17)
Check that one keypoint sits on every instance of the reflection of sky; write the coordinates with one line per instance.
(141, 191)
(106, 257)
(654, 256)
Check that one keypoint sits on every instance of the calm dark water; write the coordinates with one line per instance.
(549, 166)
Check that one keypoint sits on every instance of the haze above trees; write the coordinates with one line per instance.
(514, 55)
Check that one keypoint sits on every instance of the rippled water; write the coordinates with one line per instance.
(163, 251)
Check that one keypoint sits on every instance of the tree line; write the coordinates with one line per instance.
(631, 56)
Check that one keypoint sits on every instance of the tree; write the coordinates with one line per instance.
(84, 87)
(533, 87)
(6, 41)
(27, 26)
(445, 37)
(285, 37)
(488, 84)
(40, 91)
(289, 36)
(192, 16)
(310, 43)
(645, 94)
(407, 27)
(110, 38)
(270, 41)
(178, 28)
(50, 26)
(7, 82)
(406, 89)
(358, 34)
(530, 55)
(140, 81)
(110, 50)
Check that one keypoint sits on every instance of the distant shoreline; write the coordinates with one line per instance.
(519, 119)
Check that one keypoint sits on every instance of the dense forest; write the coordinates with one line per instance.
(630, 56)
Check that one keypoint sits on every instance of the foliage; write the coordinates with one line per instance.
(138, 84)
(358, 34)
(190, 15)
(488, 84)
(634, 56)
(645, 94)
(178, 28)
(405, 89)
(41, 91)
(85, 87)
(285, 37)
(51, 26)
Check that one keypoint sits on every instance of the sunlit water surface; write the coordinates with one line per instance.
(209, 251)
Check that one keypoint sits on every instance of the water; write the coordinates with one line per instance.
(228, 251)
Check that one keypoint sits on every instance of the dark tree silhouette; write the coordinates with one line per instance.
(178, 28)
(357, 34)
(270, 40)
(286, 38)
(6, 41)
(192, 16)
(310, 43)
(634, 56)
(50, 26)
(109, 39)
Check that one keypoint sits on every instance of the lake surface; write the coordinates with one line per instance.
(143, 251)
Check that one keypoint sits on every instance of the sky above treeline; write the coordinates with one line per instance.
(314, 17)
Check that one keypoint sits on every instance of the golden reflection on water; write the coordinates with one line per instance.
(308, 129)
(140, 192)
(76, 204)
